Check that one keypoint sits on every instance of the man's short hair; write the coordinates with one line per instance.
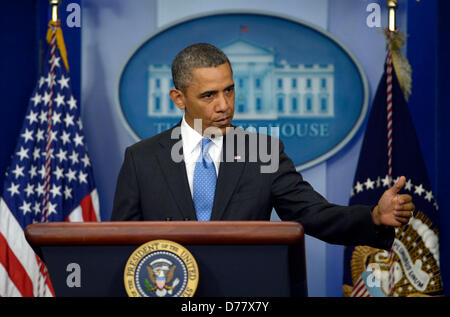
(195, 56)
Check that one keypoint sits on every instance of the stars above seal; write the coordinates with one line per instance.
(385, 181)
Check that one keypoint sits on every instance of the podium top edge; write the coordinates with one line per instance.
(185, 232)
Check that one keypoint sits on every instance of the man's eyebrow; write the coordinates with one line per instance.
(208, 92)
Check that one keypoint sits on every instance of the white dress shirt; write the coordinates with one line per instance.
(192, 148)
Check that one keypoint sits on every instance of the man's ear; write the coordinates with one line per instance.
(178, 99)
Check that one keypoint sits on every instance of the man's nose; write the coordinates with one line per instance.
(222, 103)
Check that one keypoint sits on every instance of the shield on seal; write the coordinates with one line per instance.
(161, 282)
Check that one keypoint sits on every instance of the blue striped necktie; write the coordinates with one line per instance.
(205, 180)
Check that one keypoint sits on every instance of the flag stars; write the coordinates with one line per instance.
(67, 193)
(27, 135)
(41, 81)
(42, 172)
(59, 100)
(61, 155)
(26, 207)
(40, 135)
(18, 171)
(50, 80)
(32, 117)
(359, 187)
(86, 161)
(23, 153)
(36, 99)
(386, 181)
(78, 139)
(65, 137)
(369, 184)
(59, 173)
(55, 61)
(40, 189)
(68, 120)
(82, 177)
(63, 82)
(43, 117)
(429, 196)
(46, 98)
(71, 175)
(37, 208)
(53, 136)
(32, 171)
(51, 208)
(408, 185)
(56, 118)
(74, 157)
(30, 177)
(378, 182)
(50, 152)
(36, 153)
(72, 102)
(13, 189)
(419, 190)
(55, 191)
(29, 190)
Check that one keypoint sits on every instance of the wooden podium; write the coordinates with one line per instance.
(235, 258)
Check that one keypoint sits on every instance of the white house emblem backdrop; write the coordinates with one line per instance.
(288, 75)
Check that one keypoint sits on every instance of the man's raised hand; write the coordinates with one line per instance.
(393, 209)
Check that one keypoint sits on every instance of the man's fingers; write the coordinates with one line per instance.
(403, 214)
(407, 207)
(402, 220)
(405, 198)
(398, 185)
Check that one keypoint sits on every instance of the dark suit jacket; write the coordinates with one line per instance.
(151, 186)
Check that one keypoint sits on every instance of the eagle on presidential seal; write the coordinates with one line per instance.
(161, 277)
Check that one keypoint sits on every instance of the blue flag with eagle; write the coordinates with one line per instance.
(391, 149)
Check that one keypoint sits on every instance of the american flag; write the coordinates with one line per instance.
(50, 177)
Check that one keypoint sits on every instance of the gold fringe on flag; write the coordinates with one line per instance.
(402, 67)
(59, 40)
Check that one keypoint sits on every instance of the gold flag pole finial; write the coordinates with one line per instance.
(395, 40)
(392, 6)
(54, 4)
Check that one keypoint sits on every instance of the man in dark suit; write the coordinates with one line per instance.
(206, 169)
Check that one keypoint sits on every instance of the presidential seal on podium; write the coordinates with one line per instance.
(161, 268)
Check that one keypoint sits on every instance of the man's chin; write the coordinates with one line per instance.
(217, 130)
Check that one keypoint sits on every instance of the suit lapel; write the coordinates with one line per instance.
(176, 177)
(229, 174)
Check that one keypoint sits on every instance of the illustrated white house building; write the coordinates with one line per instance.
(265, 89)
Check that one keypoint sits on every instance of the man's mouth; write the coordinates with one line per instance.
(223, 122)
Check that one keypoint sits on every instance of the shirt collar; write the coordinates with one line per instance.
(191, 138)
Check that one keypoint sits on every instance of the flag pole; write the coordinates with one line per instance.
(392, 7)
(54, 4)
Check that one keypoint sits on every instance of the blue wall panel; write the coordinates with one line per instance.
(18, 68)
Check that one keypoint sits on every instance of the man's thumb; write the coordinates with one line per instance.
(399, 184)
